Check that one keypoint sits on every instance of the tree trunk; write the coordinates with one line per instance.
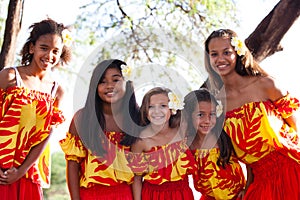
(12, 28)
(265, 39)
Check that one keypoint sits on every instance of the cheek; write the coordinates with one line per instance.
(196, 122)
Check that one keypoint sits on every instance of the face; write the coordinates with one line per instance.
(222, 55)
(204, 117)
(46, 51)
(158, 111)
(112, 88)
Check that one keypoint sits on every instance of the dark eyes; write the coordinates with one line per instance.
(203, 115)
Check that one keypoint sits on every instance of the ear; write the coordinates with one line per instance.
(31, 46)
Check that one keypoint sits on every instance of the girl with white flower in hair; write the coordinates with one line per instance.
(219, 174)
(259, 118)
(161, 158)
(100, 135)
(29, 106)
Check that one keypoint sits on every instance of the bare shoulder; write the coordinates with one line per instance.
(72, 127)
(271, 88)
(141, 144)
(7, 78)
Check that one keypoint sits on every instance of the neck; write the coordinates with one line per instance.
(112, 109)
(159, 129)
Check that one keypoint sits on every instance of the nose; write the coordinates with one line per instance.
(220, 58)
(110, 84)
(207, 118)
(49, 55)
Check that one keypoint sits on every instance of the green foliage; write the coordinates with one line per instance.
(164, 32)
(58, 189)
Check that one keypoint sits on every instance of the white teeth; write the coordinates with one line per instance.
(221, 66)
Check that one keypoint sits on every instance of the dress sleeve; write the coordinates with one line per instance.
(57, 117)
(73, 148)
(287, 105)
(137, 162)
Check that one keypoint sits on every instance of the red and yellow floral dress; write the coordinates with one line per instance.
(265, 142)
(26, 117)
(216, 182)
(105, 177)
(165, 171)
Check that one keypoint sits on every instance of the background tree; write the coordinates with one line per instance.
(12, 28)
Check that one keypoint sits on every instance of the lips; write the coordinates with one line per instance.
(110, 93)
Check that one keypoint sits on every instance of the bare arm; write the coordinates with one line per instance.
(137, 182)
(73, 179)
(275, 92)
(73, 169)
(7, 78)
(13, 174)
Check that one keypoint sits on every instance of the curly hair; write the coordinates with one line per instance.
(47, 26)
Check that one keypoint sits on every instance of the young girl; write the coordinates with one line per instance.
(219, 174)
(29, 100)
(259, 118)
(96, 164)
(164, 160)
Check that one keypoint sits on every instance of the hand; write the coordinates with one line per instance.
(10, 176)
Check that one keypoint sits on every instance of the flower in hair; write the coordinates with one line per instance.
(239, 46)
(126, 71)
(175, 103)
(219, 109)
(67, 37)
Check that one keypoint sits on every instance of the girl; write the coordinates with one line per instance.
(29, 106)
(219, 174)
(164, 160)
(95, 154)
(259, 118)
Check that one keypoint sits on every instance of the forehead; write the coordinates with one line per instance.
(112, 72)
(219, 42)
(49, 39)
(159, 98)
(202, 105)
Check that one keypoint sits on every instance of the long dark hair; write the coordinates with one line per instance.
(90, 121)
(245, 64)
(191, 100)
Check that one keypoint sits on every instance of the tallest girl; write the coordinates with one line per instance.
(260, 118)
(29, 102)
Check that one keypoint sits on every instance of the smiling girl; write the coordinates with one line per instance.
(260, 118)
(29, 101)
(163, 159)
(99, 136)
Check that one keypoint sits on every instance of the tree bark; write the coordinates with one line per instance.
(264, 41)
(12, 28)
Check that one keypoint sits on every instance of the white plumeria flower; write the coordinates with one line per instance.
(175, 103)
(126, 71)
(219, 109)
(239, 46)
(67, 37)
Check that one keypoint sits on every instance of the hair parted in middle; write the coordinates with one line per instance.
(90, 121)
(245, 64)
